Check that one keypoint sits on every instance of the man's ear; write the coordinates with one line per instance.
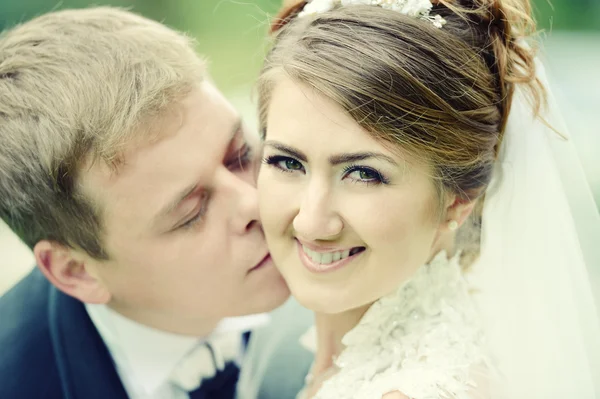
(457, 212)
(66, 269)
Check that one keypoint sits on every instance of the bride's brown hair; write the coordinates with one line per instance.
(442, 95)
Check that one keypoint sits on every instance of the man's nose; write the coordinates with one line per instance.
(240, 191)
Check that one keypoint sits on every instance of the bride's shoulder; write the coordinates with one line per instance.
(421, 341)
(395, 395)
(433, 309)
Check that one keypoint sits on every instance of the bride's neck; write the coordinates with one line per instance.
(331, 328)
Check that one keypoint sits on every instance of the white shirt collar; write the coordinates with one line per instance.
(147, 356)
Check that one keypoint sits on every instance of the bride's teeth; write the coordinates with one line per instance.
(314, 256)
(325, 258)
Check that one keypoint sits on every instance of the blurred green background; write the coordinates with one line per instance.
(231, 34)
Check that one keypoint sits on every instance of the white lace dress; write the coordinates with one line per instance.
(423, 340)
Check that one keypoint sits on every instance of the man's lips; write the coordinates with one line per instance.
(260, 264)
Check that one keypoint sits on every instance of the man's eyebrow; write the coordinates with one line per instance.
(286, 149)
(186, 192)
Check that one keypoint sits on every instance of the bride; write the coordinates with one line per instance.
(417, 194)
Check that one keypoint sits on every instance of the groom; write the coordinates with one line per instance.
(132, 180)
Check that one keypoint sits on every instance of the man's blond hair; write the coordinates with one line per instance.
(77, 85)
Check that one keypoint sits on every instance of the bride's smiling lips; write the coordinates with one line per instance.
(323, 259)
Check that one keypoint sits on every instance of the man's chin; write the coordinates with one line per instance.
(277, 297)
(280, 300)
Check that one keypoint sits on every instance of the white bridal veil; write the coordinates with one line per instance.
(539, 269)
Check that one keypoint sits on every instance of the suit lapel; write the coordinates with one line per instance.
(85, 366)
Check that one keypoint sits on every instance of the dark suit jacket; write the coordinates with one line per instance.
(276, 364)
(49, 347)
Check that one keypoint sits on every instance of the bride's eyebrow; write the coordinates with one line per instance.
(334, 159)
(360, 156)
(291, 151)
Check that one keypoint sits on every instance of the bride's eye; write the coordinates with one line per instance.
(285, 164)
(363, 174)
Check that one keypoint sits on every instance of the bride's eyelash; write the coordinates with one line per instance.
(271, 159)
(275, 160)
(377, 178)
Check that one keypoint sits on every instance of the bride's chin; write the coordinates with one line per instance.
(314, 302)
(325, 304)
(317, 295)
(320, 308)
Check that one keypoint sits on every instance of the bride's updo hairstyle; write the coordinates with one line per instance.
(440, 94)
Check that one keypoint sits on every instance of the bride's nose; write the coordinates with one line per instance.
(317, 217)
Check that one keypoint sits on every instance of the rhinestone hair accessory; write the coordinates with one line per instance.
(414, 8)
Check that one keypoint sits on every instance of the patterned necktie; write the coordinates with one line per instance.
(210, 371)
(221, 386)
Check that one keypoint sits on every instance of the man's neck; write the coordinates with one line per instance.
(195, 327)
